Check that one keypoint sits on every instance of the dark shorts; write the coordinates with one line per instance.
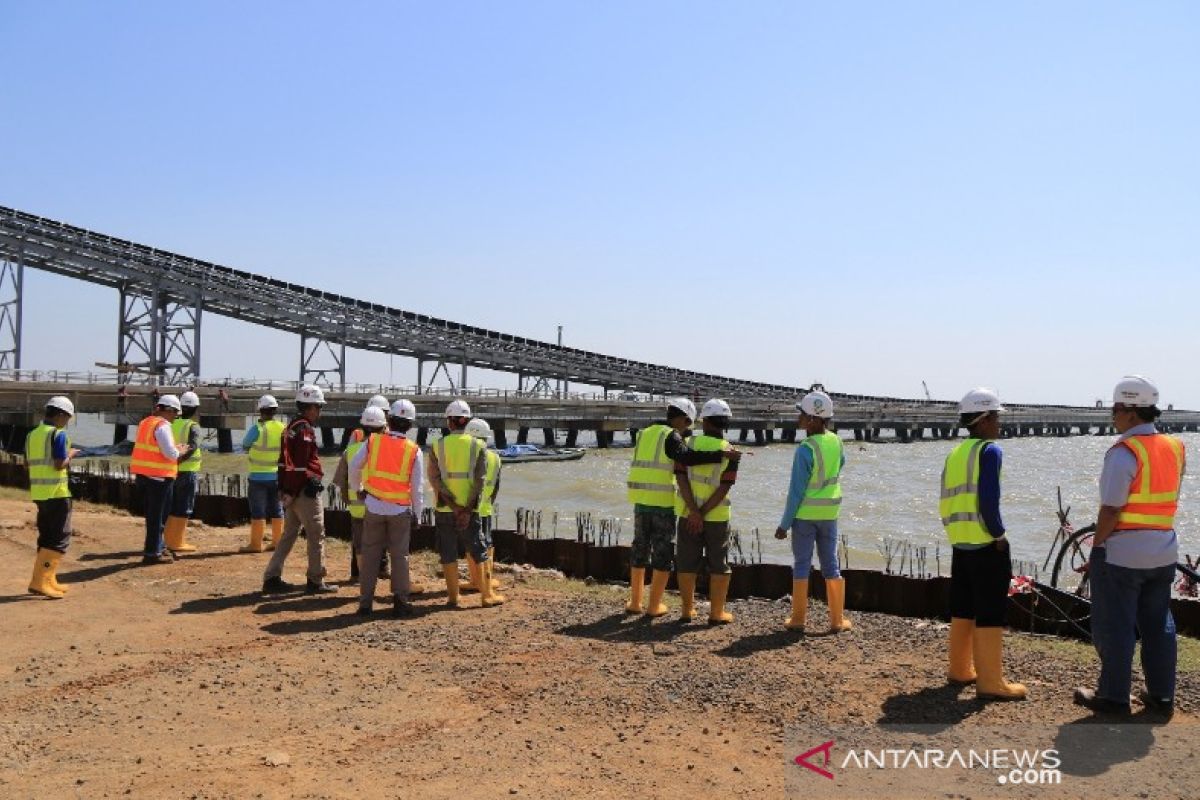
(183, 496)
(54, 524)
(710, 546)
(451, 541)
(979, 581)
(653, 540)
(264, 500)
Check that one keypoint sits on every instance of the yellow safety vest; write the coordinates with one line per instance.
(959, 506)
(182, 428)
(263, 456)
(45, 482)
(456, 455)
(651, 479)
(358, 508)
(823, 496)
(490, 480)
(705, 479)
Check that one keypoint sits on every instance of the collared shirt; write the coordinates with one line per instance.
(1133, 549)
(382, 507)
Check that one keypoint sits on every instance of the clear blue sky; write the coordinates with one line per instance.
(865, 194)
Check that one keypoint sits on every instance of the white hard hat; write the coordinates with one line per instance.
(980, 401)
(378, 401)
(479, 428)
(308, 393)
(62, 404)
(372, 417)
(1135, 391)
(716, 408)
(189, 400)
(267, 401)
(684, 405)
(169, 401)
(458, 408)
(816, 404)
(404, 409)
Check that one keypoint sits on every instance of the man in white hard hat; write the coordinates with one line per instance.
(457, 469)
(261, 445)
(300, 486)
(373, 420)
(155, 462)
(980, 565)
(651, 490)
(185, 430)
(481, 430)
(1134, 552)
(814, 501)
(703, 508)
(48, 455)
(388, 473)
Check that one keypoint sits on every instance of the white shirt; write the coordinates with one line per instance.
(383, 507)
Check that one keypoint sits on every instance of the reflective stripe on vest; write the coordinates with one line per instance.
(1154, 492)
(148, 458)
(823, 496)
(705, 479)
(357, 508)
(45, 482)
(959, 505)
(264, 452)
(387, 474)
(456, 456)
(182, 429)
(651, 479)
(490, 479)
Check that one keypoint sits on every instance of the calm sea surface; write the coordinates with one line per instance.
(890, 489)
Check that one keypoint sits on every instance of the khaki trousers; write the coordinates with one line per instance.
(379, 532)
(308, 513)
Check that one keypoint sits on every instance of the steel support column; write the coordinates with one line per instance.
(12, 281)
(320, 360)
(158, 338)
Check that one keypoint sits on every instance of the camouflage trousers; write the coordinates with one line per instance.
(653, 540)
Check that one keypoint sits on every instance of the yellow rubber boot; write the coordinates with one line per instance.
(990, 683)
(835, 595)
(687, 595)
(43, 568)
(637, 583)
(658, 586)
(450, 573)
(487, 595)
(962, 662)
(473, 573)
(276, 533)
(177, 535)
(718, 590)
(799, 605)
(256, 537)
(492, 562)
(54, 576)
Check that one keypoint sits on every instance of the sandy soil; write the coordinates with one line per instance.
(181, 681)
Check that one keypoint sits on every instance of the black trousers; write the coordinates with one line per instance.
(157, 495)
(54, 524)
(979, 582)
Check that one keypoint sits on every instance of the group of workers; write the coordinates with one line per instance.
(679, 488)
(679, 485)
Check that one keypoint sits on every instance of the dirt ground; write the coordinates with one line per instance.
(181, 681)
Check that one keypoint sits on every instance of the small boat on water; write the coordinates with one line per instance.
(522, 453)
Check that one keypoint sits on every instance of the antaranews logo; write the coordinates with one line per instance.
(826, 750)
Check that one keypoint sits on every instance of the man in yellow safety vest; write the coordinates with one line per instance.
(261, 445)
(183, 495)
(48, 455)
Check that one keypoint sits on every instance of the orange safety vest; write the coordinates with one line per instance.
(1154, 493)
(357, 435)
(388, 471)
(148, 458)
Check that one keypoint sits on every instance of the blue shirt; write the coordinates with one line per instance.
(1133, 549)
(247, 442)
(802, 466)
(58, 445)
